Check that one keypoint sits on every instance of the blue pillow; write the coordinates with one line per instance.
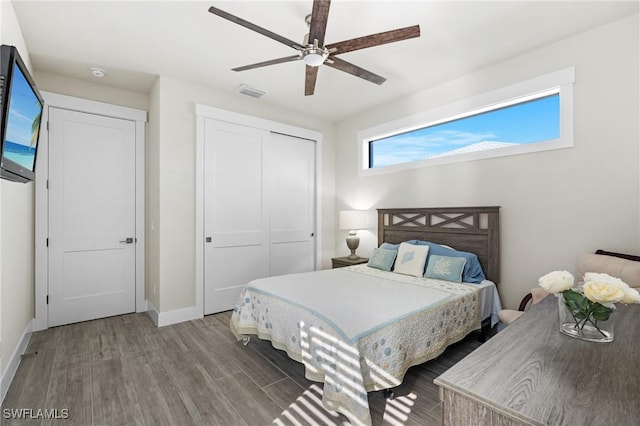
(446, 268)
(472, 272)
(382, 259)
(389, 246)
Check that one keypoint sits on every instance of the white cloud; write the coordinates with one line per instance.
(414, 146)
(16, 114)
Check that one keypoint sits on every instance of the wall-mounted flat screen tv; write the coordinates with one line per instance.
(21, 110)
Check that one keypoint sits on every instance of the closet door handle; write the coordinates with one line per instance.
(128, 240)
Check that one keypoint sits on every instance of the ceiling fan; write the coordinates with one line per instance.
(314, 52)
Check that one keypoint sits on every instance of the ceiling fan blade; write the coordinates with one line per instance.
(310, 80)
(255, 28)
(375, 40)
(348, 67)
(318, 26)
(270, 62)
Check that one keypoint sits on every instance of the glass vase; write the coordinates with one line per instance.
(588, 328)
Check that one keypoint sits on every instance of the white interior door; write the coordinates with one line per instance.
(290, 178)
(91, 216)
(235, 223)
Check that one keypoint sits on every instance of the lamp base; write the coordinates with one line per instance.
(353, 241)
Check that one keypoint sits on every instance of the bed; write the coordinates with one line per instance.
(358, 329)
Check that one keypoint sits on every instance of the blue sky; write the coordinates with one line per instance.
(24, 109)
(527, 122)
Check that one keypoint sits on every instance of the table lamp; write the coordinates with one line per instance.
(353, 220)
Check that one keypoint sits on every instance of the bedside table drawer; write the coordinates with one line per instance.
(341, 262)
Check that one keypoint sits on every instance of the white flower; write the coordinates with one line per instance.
(556, 281)
(596, 276)
(631, 295)
(603, 288)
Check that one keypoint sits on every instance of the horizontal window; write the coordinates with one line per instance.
(510, 121)
(525, 122)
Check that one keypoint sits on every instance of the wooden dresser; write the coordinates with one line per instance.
(530, 374)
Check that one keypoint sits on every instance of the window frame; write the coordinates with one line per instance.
(560, 82)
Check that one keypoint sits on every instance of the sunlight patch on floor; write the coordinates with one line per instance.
(307, 410)
(398, 409)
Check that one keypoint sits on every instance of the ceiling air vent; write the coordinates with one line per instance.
(250, 91)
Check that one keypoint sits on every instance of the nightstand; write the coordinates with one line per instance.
(341, 262)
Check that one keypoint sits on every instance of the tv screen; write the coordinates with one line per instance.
(21, 113)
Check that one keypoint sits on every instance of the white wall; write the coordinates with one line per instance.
(152, 169)
(17, 248)
(175, 177)
(56, 83)
(555, 204)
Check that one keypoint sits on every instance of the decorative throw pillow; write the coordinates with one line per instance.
(472, 272)
(389, 246)
(382, 259)
(445, 268)
(411, 259)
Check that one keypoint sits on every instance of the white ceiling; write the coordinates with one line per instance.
(137, 41)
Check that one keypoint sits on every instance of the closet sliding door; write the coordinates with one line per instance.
(236, 248)
(290, 182)
(259, 208)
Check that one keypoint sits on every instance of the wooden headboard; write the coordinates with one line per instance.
(472, 229)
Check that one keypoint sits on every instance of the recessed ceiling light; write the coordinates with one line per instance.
(97, 72)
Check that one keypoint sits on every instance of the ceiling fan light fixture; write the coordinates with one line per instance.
(314, 57)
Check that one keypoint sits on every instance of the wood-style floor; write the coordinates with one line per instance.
(123, 370)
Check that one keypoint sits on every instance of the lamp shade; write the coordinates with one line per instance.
(353, 219)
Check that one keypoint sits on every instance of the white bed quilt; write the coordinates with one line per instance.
(356, 329)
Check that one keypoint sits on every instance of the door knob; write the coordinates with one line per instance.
(129, 240)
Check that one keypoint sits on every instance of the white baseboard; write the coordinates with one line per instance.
(152, 312)
(14, 361)
(160, 319)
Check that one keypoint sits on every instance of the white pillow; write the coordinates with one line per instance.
(411, 259)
